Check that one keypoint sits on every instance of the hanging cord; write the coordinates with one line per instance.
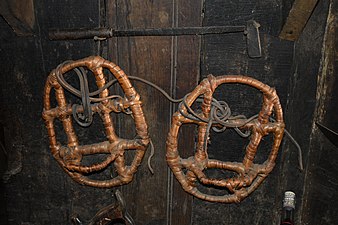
(60, 78)
(300, 154)
(293, 140)
(152, 152)
(220, 112)
(86, 118)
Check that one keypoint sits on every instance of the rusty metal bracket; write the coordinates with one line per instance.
(251, 30)
(253, 39)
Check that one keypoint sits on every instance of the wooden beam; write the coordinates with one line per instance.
(20, 16)
(298, 16)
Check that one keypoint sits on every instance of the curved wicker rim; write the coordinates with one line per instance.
(70, 156)
(189, 171)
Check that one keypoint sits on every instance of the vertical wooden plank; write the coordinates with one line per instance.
(321, 183)
(226, 54)
(148, 58)
(50, 196)
(301, 111)
(187, 74)
(111, 19)
(173, 64)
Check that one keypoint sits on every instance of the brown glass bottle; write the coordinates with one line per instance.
(287, 217)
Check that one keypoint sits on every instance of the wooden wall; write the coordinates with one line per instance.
(173, 64)
(37, 191)
(227, 54)
(320, 180)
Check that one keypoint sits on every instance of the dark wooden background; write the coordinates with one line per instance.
(36, 191)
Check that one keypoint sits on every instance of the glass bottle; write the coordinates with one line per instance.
(288, 208)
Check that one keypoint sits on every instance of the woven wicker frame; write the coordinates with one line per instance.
(70, 155)
(191, 170)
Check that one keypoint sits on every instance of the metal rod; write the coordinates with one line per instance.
(73, 34)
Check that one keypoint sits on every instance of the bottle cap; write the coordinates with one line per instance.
(289, 199)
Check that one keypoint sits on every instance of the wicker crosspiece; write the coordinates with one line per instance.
(191, 171)
(69, 155)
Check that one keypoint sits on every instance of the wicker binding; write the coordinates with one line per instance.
(70, 156)
(190, 171)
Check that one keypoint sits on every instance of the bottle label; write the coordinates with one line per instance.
(289, 199)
